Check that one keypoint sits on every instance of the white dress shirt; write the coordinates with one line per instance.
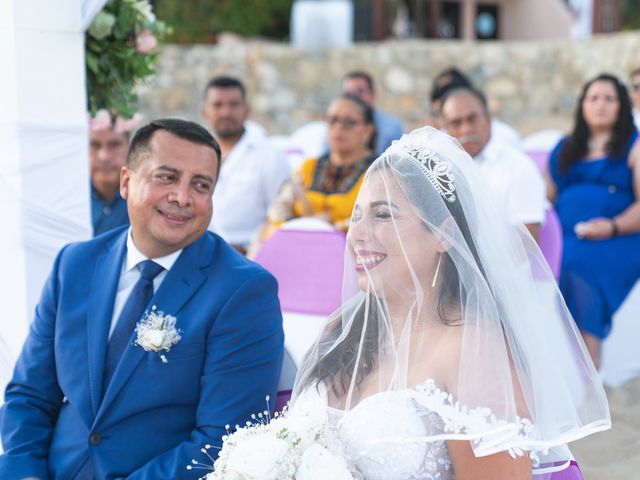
(505, 133)
(250, 177)
(129, 275)
(636, 118)
(515, 181)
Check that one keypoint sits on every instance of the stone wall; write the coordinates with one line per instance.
(532, 85)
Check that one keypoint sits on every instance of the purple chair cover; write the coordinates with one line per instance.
(540, 158)
(571, 473)
(308, 266)
(282, 398)
(551, 241)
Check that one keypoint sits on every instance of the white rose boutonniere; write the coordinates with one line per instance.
(157, 332)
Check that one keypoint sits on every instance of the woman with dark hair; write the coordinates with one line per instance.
(327, 186)
(594, 181)
(456, 357)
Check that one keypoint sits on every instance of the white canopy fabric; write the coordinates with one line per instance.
(44, 175)
(322, 23)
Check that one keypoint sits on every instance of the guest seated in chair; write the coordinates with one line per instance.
(594, 181)
(388, 128)
(252, 169)
(327, 187)
(512, 177)
(108, 144)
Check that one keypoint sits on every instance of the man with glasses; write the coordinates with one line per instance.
(388, 128)
(635, 96)
(508, 172)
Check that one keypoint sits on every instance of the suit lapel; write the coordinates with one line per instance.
(104, 285)
(180, 284)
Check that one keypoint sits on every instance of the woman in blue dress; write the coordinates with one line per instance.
(594, 181)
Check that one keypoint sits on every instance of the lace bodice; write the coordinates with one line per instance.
(371, 435)
(368, 434)
(400, 434)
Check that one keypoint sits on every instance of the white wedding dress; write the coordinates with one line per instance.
(371, 434)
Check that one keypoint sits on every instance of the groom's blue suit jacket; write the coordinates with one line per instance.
(154, 417)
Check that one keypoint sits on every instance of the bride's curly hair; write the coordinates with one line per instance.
(336, 367)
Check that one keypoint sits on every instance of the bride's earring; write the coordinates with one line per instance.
(435, 276)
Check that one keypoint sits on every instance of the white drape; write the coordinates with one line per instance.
(322, 23)
(44, 176)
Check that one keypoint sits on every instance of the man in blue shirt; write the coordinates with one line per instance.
(107, 156)
(388, 128)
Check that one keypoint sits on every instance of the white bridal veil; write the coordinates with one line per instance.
(457, 307)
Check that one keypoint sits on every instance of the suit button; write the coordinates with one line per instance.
(95, 439)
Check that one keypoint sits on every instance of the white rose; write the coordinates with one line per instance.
(155, 338)
(257, 457)
(307, 418)
(318, 463)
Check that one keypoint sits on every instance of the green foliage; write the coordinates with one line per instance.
(631, 15)
(115, 57)
(199, 21)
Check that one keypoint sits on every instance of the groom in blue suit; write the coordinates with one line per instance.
(91, 397)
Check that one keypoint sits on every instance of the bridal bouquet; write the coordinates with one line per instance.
(298, 444)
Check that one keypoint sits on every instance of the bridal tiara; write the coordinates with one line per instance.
(437, 171)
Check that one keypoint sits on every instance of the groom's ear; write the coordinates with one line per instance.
(125, 177)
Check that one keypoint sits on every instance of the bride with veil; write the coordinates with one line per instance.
(457, 357)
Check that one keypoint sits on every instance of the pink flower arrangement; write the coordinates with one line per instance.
(124, 126)
(146, 42)
(121, 51)
(103, 120)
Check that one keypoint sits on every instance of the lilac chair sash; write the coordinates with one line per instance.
(308, 266)
(551, 241)
(571, 473)
(540, 158)
(281, 400)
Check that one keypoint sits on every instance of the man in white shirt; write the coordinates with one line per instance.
(252, 169)
(508, 172)
(635, 96)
